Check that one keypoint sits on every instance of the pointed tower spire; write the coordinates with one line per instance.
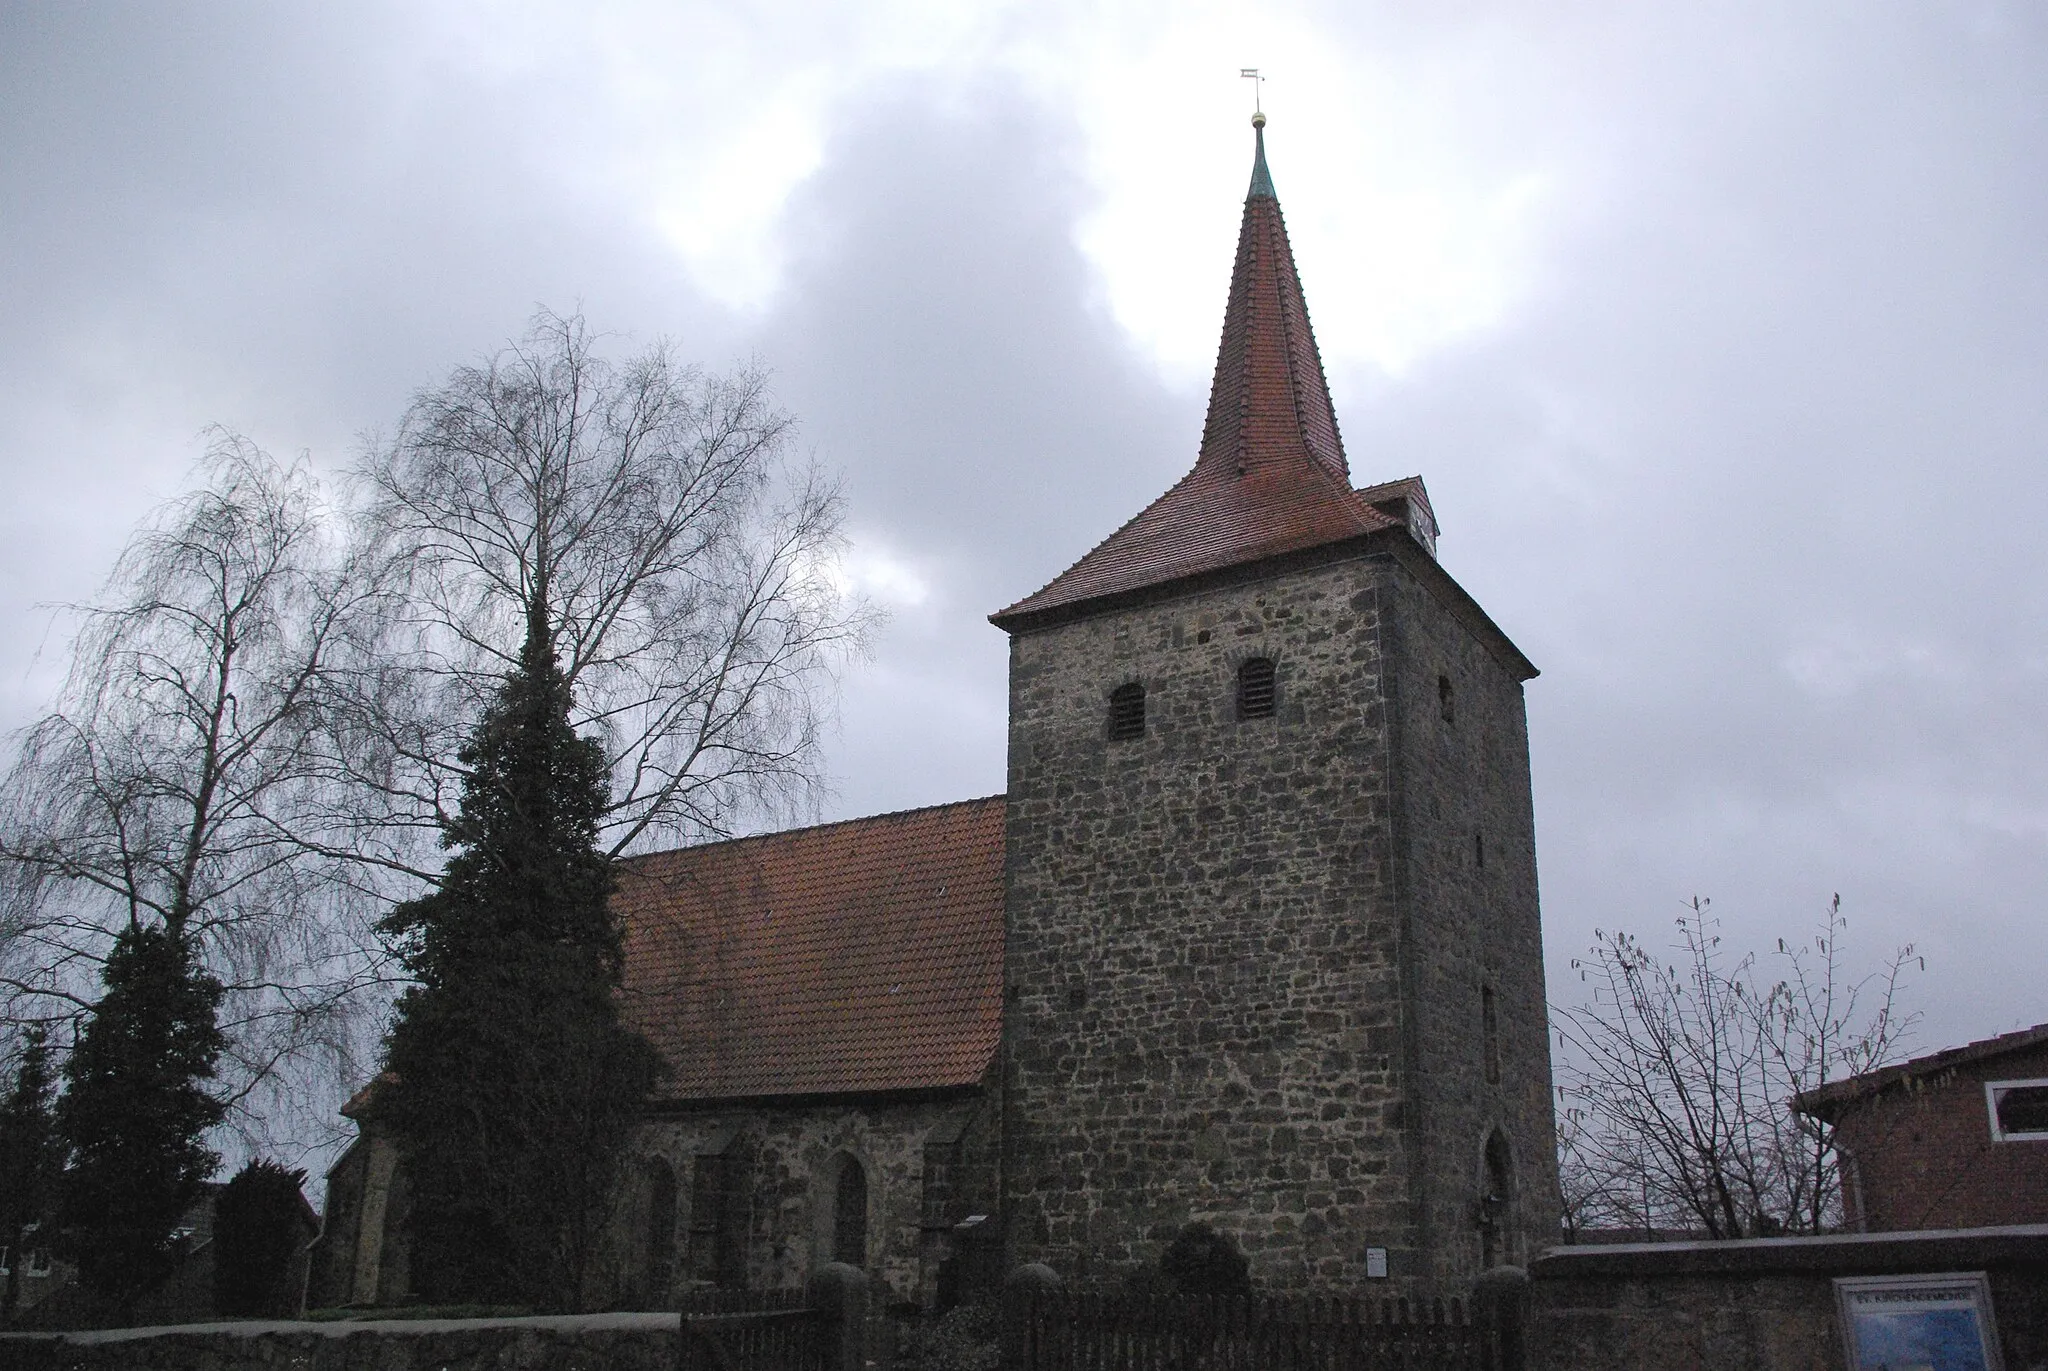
(1271, 476)
(1269, 401)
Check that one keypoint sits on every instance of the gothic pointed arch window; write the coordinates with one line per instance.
(850, 1212)
(718, 1195)
(661, 1226)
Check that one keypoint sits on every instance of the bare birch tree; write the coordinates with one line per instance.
(686, 569)
(257, 744)
(1677, 1080)
(176, 784)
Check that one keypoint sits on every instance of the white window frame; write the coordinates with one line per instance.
(38, 1263)
(1991, 1089)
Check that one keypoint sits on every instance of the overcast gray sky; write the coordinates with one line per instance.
(1718, 332)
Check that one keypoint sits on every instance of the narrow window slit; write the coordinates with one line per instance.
(1255, 689)
(1127, 712)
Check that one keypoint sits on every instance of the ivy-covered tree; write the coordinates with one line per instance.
(28, 1159)
(135, 1111)
(515, 1080)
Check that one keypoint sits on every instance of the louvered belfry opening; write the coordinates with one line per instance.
(1255, 689)
(1127, 712)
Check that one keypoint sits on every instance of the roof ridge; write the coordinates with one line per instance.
(1881, 1078)
(811, 828)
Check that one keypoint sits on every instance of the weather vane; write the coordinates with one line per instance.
(1251, 74)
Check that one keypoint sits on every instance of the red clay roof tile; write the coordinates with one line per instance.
(849, 958)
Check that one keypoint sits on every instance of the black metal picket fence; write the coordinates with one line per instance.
(1057, 1331)
(740, 1330)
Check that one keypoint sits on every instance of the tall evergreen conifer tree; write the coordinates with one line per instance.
(515, 1083)
(28, 1161)
(134, 1111)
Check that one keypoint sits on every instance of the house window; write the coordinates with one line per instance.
(1489, 1027)
(39, 1262)
(850, 1214)
(1127, 712)
(2019, 1110)
(1255, 689)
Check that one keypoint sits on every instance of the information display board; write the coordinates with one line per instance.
(1918, 1323)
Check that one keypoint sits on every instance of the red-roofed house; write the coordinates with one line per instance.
(1252, 938)
(1955, 1139)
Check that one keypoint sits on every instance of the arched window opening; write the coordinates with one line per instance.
(1255, 689)
(1496, 1202)
(717, 1184)
(850, 1214)
(661, 1226)
(1446, 701)
(1127, 712)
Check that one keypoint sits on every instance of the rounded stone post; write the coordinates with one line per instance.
(1500, 1297)
(839, 1293)
(1022, 1290)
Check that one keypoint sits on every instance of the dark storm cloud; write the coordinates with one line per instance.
(939, 343)
(1760, 486)
(279, 222)
(1752, 467)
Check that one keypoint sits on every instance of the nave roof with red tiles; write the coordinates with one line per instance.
(860, 957)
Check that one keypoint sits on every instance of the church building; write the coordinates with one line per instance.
(1250, 940)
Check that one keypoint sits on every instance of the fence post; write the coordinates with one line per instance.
(839, 1293)
(1022, 1290)
(1501, 1298)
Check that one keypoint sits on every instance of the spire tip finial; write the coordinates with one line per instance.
(1259, 119)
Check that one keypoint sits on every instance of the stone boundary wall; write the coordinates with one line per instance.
(576, 1342)
(1764, 1304)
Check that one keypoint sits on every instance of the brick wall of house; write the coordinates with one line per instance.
(1236, 949)
(1923, 1155)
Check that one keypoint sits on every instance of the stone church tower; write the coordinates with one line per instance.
(1272, 950)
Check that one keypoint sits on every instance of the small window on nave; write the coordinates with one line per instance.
(850, 1213)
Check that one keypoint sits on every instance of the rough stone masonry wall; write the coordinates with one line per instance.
(617, 1342)
(788, 1159)
(1762, 1304)
(1466, 842)
(1203, 1017)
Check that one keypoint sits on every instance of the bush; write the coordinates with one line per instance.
(967, 1338)
(258, 1226)
(1201, 1261)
